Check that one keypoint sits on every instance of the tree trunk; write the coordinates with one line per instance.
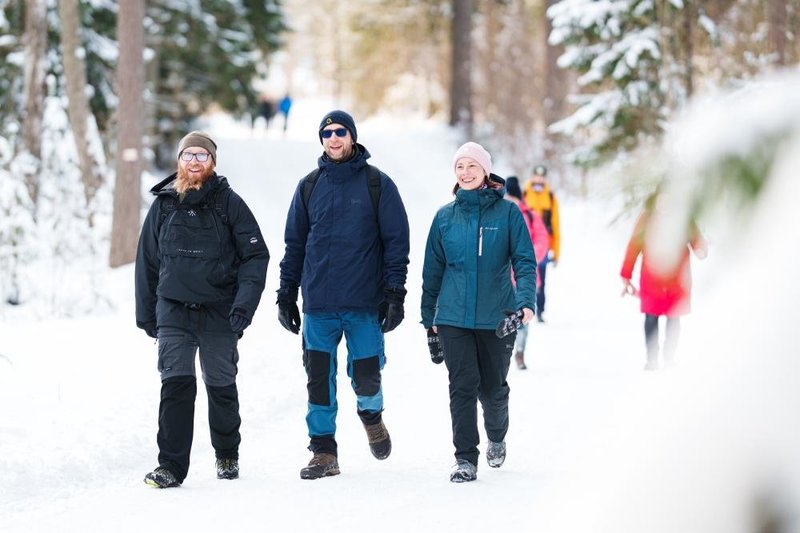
(35, 40)
(130, 126)
(777, 30)
(461, 82)
(689, 14)
(73, 56)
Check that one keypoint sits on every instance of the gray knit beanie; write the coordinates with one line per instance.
(201, 139)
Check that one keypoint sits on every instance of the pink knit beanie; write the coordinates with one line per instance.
(476, 152)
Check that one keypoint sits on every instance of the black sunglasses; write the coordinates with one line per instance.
(340, 132)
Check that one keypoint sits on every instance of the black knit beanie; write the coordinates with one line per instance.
(338, 116)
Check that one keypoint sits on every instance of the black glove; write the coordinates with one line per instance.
(239, 322)
(435, 347)
(509, 324)
(289, 316)
(390, 310)
(151, 329)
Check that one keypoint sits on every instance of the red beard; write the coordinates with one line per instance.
(184, 182)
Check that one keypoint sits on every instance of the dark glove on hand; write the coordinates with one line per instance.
(435, 347)
(390, 311)
(289, 316)
(511, 323)
(151, 330)
(239, 322)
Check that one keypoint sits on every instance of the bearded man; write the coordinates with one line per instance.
(201, 267)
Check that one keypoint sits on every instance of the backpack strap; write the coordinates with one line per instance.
(373, 183)
(309, 182)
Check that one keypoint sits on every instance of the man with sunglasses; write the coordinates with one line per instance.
(348, 252)
(201, 267)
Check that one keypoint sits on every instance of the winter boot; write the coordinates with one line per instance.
(321, 465)
(519, 357)
(379, 442)
(652, 364)
(463, 471)
(161, 478)
(496, 454)
(227, 468)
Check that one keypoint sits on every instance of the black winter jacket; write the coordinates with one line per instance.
(189, 256)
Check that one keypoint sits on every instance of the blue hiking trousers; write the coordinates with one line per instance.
(322, 333)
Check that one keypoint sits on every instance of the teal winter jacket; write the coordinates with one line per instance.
(473, 244)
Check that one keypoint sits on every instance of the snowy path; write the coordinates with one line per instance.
(79, 397)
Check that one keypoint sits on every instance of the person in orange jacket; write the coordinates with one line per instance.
(663, 291)
(540, 198)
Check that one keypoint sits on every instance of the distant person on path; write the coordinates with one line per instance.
(541, 246)
(663, 291)
(347, 246)
(540, 198)
(201, 266)
(267, 111)
(284, 107)
(474, 243)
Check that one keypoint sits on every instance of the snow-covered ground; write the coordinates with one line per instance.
(79, 397)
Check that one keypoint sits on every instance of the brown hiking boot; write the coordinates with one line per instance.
(321, 465)
(519, 357)
(379, 442)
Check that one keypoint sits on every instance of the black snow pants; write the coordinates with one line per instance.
(477, 363)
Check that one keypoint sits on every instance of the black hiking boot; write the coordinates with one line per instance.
(161, 478)
(379, 442)
(496, 454)
(463, 471)
(227, 468)
(321, 465)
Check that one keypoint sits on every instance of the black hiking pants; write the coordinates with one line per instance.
(477, 364)
(218, 359)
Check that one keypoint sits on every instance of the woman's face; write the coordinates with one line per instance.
(469, 174)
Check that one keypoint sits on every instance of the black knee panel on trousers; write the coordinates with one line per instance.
(367, 376)
(318, 370)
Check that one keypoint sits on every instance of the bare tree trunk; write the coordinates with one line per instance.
(777, 30)
(461, 81)
(35, 40)
(75, 73)
(689, 13)
(130, 125)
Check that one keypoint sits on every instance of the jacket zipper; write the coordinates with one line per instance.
(480, 241)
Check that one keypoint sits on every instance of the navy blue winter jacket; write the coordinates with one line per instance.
(340, 254)
(189, 255)
(472, 245)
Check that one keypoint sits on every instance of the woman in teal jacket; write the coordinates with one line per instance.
(473, 244)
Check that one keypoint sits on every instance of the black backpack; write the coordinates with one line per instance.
(373, 182)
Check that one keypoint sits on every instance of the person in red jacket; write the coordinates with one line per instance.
(663, 291)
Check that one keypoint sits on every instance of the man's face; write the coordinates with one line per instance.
(538, 182)
(192, 172)
(339, 145)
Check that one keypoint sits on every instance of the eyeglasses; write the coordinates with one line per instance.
(200, 156)
(340, 132)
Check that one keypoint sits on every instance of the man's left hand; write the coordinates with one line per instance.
(390, 311)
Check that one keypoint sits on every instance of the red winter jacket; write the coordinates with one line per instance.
(662, 294)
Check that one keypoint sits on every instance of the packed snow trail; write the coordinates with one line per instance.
(80, 397)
